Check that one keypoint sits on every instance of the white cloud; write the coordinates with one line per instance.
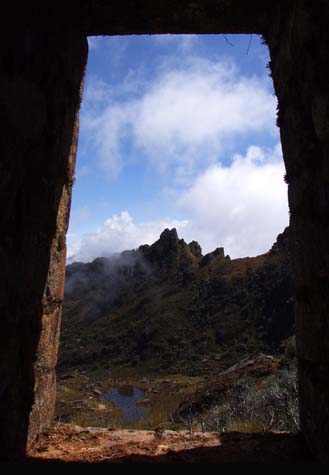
(184, 117)
(107, 133)
(242, 207)
(185, 120)
(117, 234)
(188, 116)
(97, 92)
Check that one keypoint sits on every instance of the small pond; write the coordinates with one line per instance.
(127, 398)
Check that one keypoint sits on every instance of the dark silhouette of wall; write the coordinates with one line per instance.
(299, 43)
(43, 56)
(40, 81)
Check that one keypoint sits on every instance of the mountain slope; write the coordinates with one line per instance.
(165, 307)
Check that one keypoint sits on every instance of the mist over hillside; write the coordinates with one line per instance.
(166, 307)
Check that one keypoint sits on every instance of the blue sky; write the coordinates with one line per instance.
(177, 131)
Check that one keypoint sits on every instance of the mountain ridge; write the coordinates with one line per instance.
(167, 307)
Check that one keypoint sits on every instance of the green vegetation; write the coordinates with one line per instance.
(79, 401)
(162, 309)
(246, 402)
(165, 310)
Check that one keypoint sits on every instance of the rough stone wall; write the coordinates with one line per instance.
(40, 84)
(299, 47)
(43, 54)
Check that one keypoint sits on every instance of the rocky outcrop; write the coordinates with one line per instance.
(167, 308)
(251, 369)
(218, 252)
(168, 252)
(195, 249)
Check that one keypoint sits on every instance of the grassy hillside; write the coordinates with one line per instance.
(167, 308)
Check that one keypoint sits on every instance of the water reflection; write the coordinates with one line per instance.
(127, 398)
(129, 391)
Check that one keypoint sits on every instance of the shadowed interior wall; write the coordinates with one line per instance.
(40, 84)
(299, 47)
(42, 69)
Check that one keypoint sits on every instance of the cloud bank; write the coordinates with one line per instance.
(118, 233)
(242, 207)
(187, 120)
(182, 118)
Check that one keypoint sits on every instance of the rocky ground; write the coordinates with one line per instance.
(258, 394)
(66, 443)
(80, 398)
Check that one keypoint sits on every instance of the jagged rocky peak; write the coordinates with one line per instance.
(170, 252)
(217, 253)
(169, 236)
(195, 249)
(168, 242)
